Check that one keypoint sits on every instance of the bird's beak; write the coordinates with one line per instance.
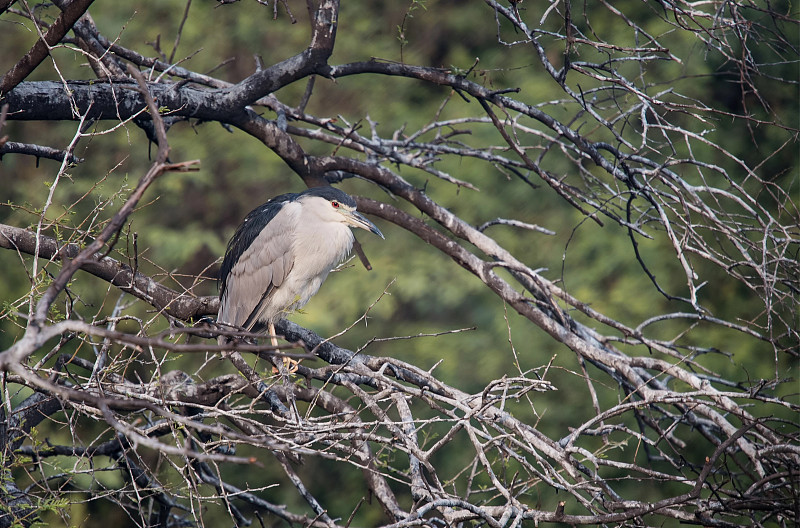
(355, 219)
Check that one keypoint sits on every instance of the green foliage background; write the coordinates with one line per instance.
(182, 231)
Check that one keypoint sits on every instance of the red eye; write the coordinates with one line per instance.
(335, 204)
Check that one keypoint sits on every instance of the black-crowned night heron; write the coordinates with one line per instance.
(282, 253)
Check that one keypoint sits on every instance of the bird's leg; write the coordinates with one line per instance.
(272, 337)
(289, 363)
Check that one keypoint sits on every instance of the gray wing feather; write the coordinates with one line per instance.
(261, 268)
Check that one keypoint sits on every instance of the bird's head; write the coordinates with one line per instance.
(333, 205)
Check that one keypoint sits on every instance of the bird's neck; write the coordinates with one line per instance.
(327, 242)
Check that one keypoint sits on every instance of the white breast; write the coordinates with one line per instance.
(317, 252)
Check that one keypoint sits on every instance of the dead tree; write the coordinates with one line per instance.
(621, 145)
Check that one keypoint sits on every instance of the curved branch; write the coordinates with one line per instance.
(41, 49)
(314, 58)
(182, 306)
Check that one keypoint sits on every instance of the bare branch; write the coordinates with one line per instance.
(41, 49)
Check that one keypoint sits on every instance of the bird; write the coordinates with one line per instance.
(282, 253)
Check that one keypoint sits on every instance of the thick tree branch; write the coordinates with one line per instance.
(41, 49)
(324, 22)
(183, 306)
(39, 151)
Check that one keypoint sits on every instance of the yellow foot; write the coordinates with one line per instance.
(289, 364)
